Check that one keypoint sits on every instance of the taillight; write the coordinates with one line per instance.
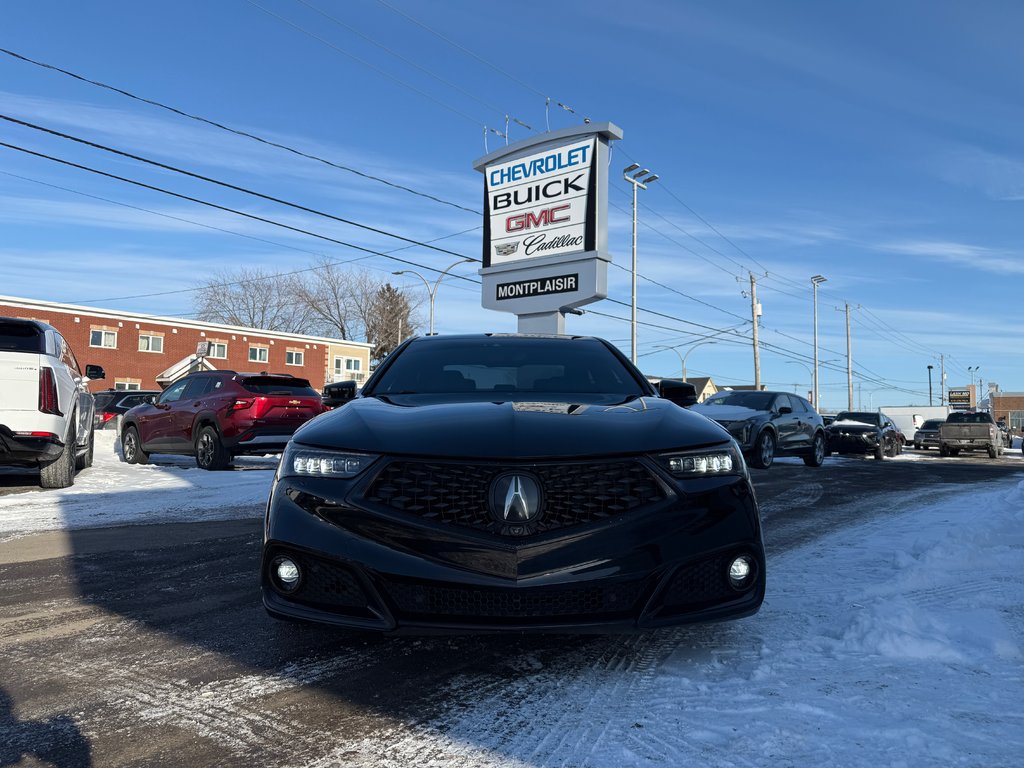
(241, 404)
(48, 402)
(107, 416)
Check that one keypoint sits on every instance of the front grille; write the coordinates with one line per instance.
(457, 494)
(699, 584)
(521, 605)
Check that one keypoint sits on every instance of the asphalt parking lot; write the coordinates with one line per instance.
(147, 645)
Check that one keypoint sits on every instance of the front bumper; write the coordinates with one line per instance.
(852, 442)
(22, 450)
(396, 572)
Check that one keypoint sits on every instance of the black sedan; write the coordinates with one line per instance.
(769, 424)
(864, 432)
(512, 482)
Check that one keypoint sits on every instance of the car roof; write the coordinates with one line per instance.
(26, 321)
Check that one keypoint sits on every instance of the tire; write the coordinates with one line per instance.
(917, 446)
(764, 450)
(954, 451)
(993, 452)
(943, 451)
(60, 473)
(131, 447)
(880, 452)
(210, 451)
(817, 455)
(85, 460)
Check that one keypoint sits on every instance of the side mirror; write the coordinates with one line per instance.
(784, 409)
(682, 393)
(338, 393)
(149, 399)
(94, 372)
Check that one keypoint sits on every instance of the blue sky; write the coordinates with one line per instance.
(878, 144)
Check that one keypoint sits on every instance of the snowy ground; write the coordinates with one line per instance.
(170, 489)
(893, 643)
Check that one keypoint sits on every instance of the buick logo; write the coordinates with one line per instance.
(515, 498)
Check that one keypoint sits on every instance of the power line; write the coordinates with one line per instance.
(226, 185)
(236, 131)
(216, 206)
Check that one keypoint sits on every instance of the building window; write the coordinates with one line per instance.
(150, 343)
(293, 357)
(259, 354)
(98, 338)
(218, 350)
(1015, 420)
(348, 369)
(127, 385)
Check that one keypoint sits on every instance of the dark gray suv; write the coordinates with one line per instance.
(769, 424)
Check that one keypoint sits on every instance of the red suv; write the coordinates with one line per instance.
(217, 415)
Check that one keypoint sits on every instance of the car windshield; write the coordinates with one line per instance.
(21, 337)
(510, 366)
(758, 401)
(270, 385)
(861, 416)
(932, 424)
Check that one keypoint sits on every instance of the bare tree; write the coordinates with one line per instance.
(255, 298)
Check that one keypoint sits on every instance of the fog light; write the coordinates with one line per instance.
(741, 571)
(286, 573)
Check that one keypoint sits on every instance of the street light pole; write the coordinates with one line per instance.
(431, 292)
(930, 384)
(682, 358)
(815, 282)
(640, 179)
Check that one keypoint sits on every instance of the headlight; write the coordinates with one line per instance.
(317, 462)
(726, 460)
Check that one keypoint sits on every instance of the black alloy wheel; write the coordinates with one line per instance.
(764, 450)
(210, 451)
(131, 447)
(817, 455)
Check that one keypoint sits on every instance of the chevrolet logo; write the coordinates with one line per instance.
(294, 402)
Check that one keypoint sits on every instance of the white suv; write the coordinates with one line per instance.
(46, 410)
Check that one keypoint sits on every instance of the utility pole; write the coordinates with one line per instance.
(755, 312)
(815, 282)
(942, 381)
(849, 361)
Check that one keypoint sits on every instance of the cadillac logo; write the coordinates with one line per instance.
(506, 249)
(515, 498)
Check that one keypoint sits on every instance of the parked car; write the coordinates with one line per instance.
(769, 424)
(111, 403)
(927, 436)
(864, 432)
(969, 431)
(46, 409)
(507, 482)
(217, 415)
(1004, 430)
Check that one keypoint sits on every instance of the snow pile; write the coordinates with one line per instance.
(111, 492)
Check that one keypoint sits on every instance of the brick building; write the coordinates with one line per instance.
(1008, 406)
(140, 351)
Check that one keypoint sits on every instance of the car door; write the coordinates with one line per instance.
(786, 423)
(192, 401)
(807, 420)
(156, 425)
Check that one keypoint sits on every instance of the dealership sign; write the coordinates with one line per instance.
(545, 225)
(537, 205)
(959, 399)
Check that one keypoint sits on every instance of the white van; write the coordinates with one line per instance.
(46, 410)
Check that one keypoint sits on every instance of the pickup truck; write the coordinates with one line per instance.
(970, 431)
(46, 409)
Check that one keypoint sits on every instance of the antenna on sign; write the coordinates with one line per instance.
(506, 129)
(547, 109)
(486, 150)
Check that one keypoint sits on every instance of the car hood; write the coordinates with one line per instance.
(500, 430)
(728, 413)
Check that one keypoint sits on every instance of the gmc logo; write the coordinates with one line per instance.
(532, 220)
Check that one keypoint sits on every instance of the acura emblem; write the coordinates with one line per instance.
(515, 498)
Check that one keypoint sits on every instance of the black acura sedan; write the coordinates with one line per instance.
(512, 482)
